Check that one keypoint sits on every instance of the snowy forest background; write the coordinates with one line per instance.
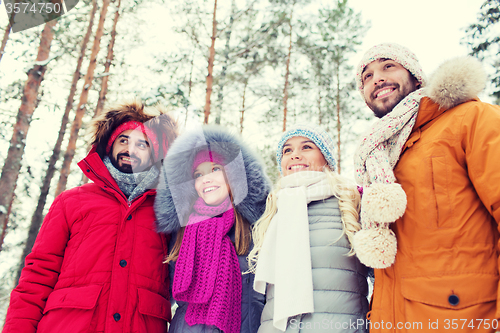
(256, 66)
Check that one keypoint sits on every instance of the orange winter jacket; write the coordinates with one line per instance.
(446, 274)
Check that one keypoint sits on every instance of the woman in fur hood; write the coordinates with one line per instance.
(212, 189)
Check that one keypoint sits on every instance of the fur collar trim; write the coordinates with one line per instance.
(156, 117)
(456, 81)
(244, 170)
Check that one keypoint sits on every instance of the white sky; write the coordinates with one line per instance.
(432, 29)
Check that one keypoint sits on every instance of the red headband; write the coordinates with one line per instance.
(135, 125)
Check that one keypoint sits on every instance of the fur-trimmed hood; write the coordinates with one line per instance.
(245, 173)
(456, 81)
(156, 118)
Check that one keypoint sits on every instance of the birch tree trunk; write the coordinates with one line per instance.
(80, 110)
(8, 211)
(190, 87)
(287, 73)
(243, 106)
(220, 95)
(107, 65)
(211, 57)
(318, 101)
(37, 218)
(105, 78)
(10, 171)
(338, 119)
(4, 40)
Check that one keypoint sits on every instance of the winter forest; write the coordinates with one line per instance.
(255, 66)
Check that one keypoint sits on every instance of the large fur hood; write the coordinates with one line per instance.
(244, 171)
(456, 81)
(155, 117)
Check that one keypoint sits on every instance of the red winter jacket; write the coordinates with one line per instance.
(96, 265)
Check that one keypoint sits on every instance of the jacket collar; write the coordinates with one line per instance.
(427, 111)
(93, 167)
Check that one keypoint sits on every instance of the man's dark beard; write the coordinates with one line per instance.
(125, 168)
(380, 112)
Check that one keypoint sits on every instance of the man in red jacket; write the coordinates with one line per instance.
(97, 264)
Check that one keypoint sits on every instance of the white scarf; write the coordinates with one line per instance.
(285, 256)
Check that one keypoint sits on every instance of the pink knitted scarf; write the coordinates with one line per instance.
(207, 272)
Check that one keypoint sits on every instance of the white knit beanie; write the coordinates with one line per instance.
(396, 52)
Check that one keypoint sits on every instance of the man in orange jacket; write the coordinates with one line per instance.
(431, 203)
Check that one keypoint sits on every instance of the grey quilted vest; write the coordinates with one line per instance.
(339, 281)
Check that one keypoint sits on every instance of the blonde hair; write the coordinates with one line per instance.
(349, 204)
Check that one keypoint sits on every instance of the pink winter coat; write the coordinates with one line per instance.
(96, 265)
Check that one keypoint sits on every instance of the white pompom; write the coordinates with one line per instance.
(384, 203)
(375, 247)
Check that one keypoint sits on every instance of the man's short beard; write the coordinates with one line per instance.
(385, 109)
(382, 111)
(125, 168)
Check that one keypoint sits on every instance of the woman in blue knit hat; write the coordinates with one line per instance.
(303, 259)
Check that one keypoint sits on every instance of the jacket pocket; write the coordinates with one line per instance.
(70, 309)
(468, 296)
(441, 186)
(154, 312)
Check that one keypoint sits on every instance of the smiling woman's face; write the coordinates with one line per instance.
(210, 183)
(301, 154)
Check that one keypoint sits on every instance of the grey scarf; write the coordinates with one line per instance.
(133, 184)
